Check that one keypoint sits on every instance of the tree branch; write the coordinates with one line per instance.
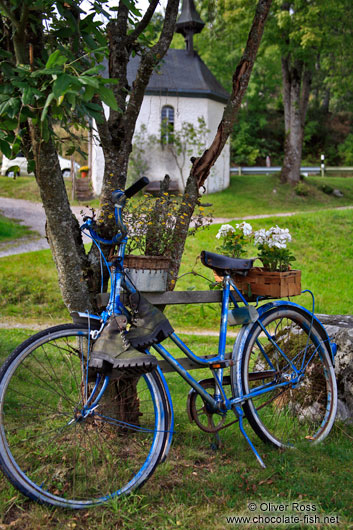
(141, 26)
(202, 166)
(103, 129)
(148, 61)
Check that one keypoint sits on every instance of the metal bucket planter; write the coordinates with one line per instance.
(147, 273)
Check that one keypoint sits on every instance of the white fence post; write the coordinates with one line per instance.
(322, 165)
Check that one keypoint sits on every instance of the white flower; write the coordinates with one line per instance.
(274, 237)
(245, 227)
(224, 230)
(260, 237)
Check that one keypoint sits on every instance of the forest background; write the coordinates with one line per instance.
(321, 39)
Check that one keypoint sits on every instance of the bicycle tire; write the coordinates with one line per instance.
(53, 455)
(294, 413)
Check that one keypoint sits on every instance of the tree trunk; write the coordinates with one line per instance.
(116, 134)
(296, 90)
(201, 166)
(62, 227)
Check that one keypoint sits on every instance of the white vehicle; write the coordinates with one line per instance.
(18, 166)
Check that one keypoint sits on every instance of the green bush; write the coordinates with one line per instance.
(326, 189)
(346, 150)
(302, 189)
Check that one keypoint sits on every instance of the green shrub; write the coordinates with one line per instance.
(326, 189)
(302, 189)
(346, 150)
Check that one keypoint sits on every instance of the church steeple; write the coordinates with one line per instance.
(189, 23)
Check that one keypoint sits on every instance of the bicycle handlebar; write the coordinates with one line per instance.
(119, 197)
(136, 187)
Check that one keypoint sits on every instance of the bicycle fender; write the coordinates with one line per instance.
(239, 345)
(331, 346)
(168, 397)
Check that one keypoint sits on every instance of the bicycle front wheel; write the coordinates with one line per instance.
(288, 408)
(55, 454)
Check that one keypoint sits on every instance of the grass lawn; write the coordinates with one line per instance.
(26, 188)
(237, 200)
(11, 229)
(322, 244)
(20, 188)
(273, 197)
(198, 487)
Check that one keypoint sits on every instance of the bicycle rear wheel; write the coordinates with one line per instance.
(54, 454)
(295, 409)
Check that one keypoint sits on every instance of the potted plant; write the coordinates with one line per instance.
(234, 239)
(84, 171)
(151, 222)
(275, 279)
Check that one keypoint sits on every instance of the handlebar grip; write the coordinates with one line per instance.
(136, 187)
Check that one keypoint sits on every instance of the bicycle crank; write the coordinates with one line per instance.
(199, 411)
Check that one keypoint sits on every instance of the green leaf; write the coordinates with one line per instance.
(70, 151)
(46, 107)
(62, 83)
(71, 97)
(91, 111)
(10, 107)
(94, 70)
(91, 81)
(9, 125)
(5, 148)
(5, 54)
(130, 5)
(7, 69)
(89, 41)
(89, 93)
(47, 71)
(55, 59)
(31, 166)
(93, 106)
(107, 95)
(109, 80)
(19, 84)
(27, 96)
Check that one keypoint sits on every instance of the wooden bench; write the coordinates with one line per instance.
(154, 187)
(208, 297)
(176, 298)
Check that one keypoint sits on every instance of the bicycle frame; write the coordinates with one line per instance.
(217, 364)
(219, 402)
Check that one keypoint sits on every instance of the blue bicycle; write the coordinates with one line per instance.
(74, 438)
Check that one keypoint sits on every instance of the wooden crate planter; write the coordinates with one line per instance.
(260, 282)
(148, 273)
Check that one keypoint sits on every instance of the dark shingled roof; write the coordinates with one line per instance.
(181, 74)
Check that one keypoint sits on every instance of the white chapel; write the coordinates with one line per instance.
(181, 91)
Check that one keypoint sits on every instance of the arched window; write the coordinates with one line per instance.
(167, 124)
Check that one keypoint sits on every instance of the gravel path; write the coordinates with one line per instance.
(31, 214)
